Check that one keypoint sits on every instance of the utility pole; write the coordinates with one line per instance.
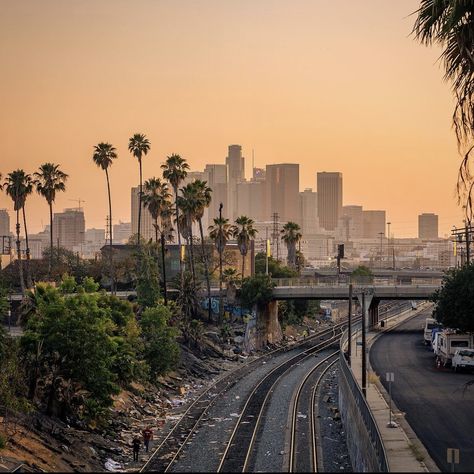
(381, 236)
(349, 327)
(266, 250)
(388, 243)
(276, 234)
(221, 302)
(461, 234)
(364, 349)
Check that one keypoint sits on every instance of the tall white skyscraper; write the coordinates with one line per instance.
(329, 199)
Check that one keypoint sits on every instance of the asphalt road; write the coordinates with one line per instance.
(438, 407)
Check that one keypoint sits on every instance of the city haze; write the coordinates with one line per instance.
(332, 87)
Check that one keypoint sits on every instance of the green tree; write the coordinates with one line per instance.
(104, 155)
(244, 233)
(148, 282)
(455, 299)
(450, 24)
(291, 235)
(362, 274)
(257, 290)
(275, 268)
(161, 351)
(138, 146)
(175, 169)
(49, 180)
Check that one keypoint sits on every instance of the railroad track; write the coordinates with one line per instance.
(303, 454)
(237, 456)
(170, 448)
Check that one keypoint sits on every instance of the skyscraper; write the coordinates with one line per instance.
(216, 177)
(428, 226)
(235, 174)
(353, 226)
(309, 212)
(147, 230)
(69, 228)
(329, 199)
(4, 222)
(251, 200)
(282, 191)
(374, 224)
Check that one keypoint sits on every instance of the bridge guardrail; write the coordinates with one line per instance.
(324, 282)
(364, 409)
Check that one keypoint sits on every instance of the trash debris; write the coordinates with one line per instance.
(113, 466)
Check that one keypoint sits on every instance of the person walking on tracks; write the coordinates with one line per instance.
(147, 437)
(136, 447)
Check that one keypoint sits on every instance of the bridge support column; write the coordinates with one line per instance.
(374, 313)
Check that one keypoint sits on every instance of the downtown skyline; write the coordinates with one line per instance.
(383, 120)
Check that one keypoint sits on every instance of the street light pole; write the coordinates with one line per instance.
(221, 306)
(266, 250)
(381, 235)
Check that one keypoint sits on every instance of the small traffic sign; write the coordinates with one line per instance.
(390, 377)
(453, 456)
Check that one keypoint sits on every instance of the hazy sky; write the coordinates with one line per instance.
(334, 86)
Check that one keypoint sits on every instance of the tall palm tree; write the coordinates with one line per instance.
(139, 145)
(155, 198)
(175, 169)
(18, 185)
(49, 180)
(244, 234)
(103, 157)
(291, 235)
(221, 232)
(204, 196)
(450, 24)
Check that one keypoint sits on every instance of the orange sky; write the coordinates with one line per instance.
(334, 86)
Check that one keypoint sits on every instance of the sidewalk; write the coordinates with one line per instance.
(402, 449)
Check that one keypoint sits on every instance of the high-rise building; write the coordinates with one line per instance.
(282, 191)
(4, 222)
(352, 222)
(147, 231)
(309, 212)
(428, 226)
(69, 228)
(235, 174)
(258, 174)
(374, 224)
(216, 177)
(251, 200)
(329, 199)
(121, 232)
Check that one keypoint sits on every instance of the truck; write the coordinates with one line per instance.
(430, 324)
(463, 359)
(449, 341)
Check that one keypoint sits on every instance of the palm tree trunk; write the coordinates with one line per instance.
(192, 252)
(51, 239)
(206, 269)
(243, 267)
(221, 297)
(175, 188)
(111, 257)
(139, 200)
(29, 283)
(18, 251)
(164, 267)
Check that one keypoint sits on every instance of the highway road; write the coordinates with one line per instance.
(437, 406)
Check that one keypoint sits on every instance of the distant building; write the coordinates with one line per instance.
(258, 174)
(309, 212)
(69, 228)
(282, 191)
(216, 177)
(147, 231)
(235, 163)
(352, 222)
(374, 224)
(121, 232)
(329, 199)
(4, 222)
(251, 199)
(428, 226)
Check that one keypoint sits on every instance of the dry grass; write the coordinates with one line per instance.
(373, 377)
(416, 451)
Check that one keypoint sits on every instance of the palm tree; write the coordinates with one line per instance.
(138, 146)
(221, 232)
(156, 199)
(244, 235)
(204, 196)
(175, 170)
(18, 186)
(291, 235)
(104, 154)
(49, 180)
(450, 24)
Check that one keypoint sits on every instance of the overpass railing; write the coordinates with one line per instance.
(364, 409)
(356, 282)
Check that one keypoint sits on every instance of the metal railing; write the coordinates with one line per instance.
(364, 409)
(358, 282)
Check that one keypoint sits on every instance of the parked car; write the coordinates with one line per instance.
(430, 324)
(463, 359)
(449, 342)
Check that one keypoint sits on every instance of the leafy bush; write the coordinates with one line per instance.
(256, 290)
